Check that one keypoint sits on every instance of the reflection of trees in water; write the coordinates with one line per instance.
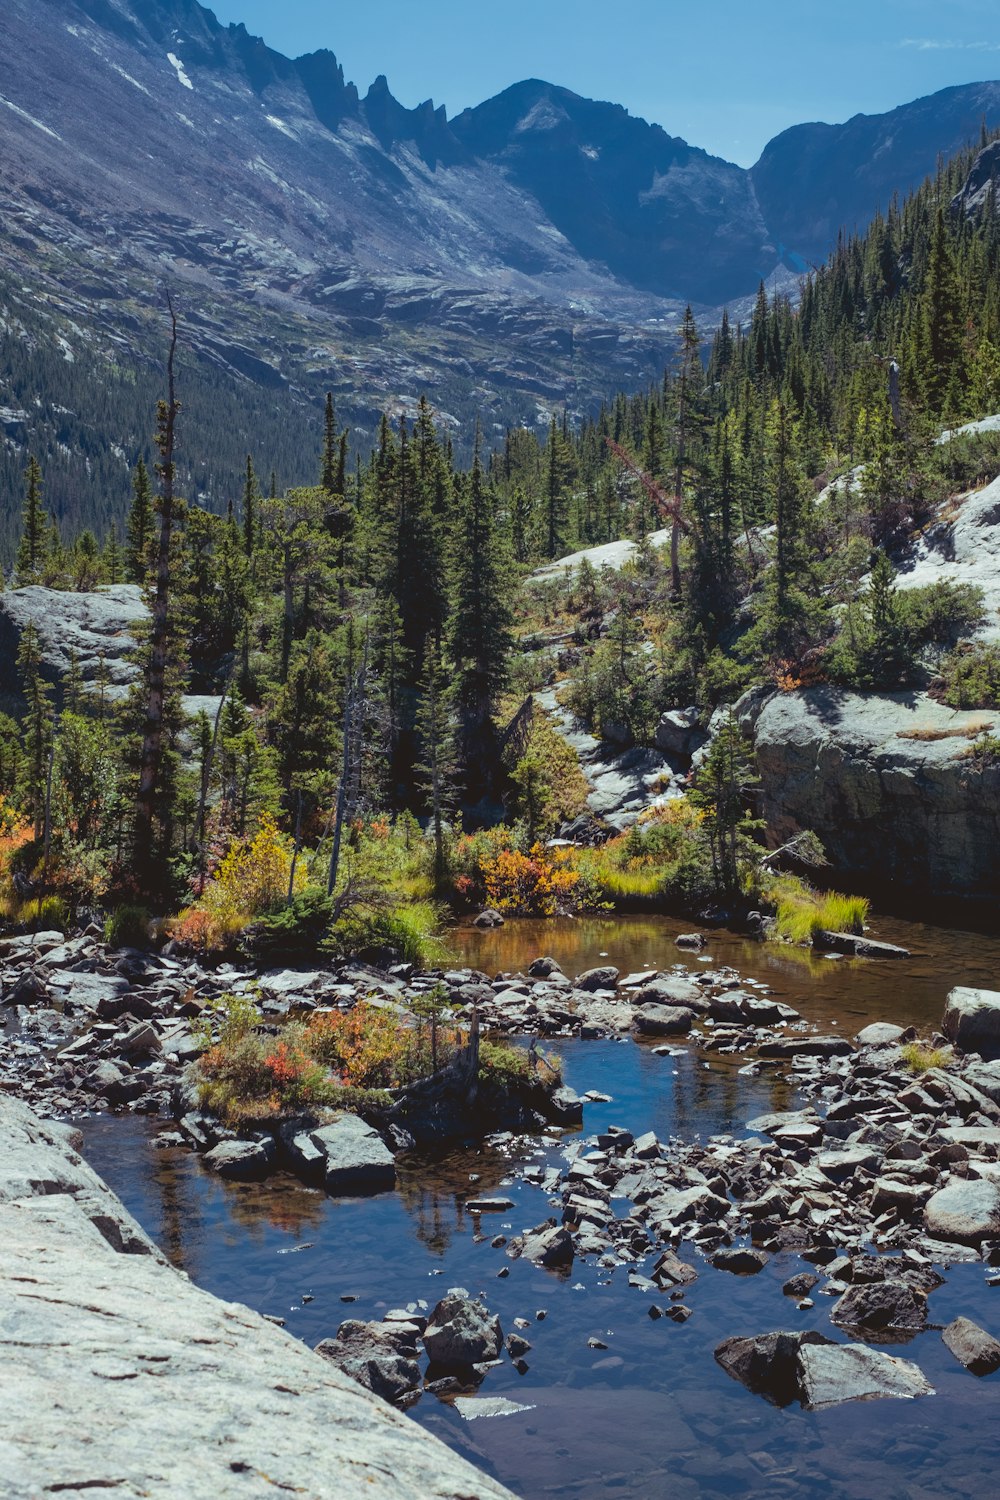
(434, 1190)
(280, 1202)
(721, 1093)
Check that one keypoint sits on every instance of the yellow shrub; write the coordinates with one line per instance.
(251, 881)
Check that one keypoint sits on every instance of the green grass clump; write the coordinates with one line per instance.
(802, 913)
(920, 1057)
(127, 927)
(509, 1066)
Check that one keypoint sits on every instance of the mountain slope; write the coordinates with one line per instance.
(533, 252)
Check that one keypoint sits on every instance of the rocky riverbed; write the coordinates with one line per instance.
(859, 1196)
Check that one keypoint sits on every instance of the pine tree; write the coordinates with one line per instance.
(437, 768)
(139, 527)
(32, 552)
(251, 499)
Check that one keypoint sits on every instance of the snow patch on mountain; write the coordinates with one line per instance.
(129, 79)
(178, 67)
(23, 113)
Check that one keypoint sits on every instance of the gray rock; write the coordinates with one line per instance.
(549, 1245)
(565, 1107)
(695, 941)
(669, 989)
(241, 1161)
(663, 1020)
(542, 968)
(972, 1346)
(880, 1034)
(379, 1356)
(858, 945)
(881, 1305)
(677, 733)
(357, 1159)
(768, 1363)
(111, 1298)
(740, 1261)
(984, 1076)
(488, 918)
(462, 1332)
(972, 1020)
(99, 626)
(965, 1212)
(830, 1374)
(597, 979)
(883, 804)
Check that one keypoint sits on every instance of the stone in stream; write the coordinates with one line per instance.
(808, 1046)
(549, 1245)
(858, 946)
(241, 1161)
(357, 1160)
(808, 1367)
(381, 1357)
(488, 918)
(972, 1346)
(663, 1020)
(695, 942)
(972, 1020)
(542, 968)
(830, 1374)
(881, 1305)
(462, 1332)
(740, 1261)
(669, 990)
(605, 978)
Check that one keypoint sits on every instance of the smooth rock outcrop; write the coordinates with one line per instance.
(881, 778)
(98, 628)
(164, 1390)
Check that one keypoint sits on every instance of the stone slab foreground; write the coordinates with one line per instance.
(118, 1375)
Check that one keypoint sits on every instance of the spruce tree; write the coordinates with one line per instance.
(31, 554)
(139, 527)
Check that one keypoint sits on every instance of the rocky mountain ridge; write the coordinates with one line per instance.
(533, 252)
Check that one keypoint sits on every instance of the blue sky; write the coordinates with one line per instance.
(724, 74)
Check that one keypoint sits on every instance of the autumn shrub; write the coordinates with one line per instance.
(509, 1066)
(920, 1057)
(251, 881)
(535, 884)
(372, 1047)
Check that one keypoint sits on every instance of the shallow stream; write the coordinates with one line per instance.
(652, 1414)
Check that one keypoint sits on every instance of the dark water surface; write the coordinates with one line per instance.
(652, 1415)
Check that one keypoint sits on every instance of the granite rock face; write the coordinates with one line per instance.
(972, 1020)
(99, 627)
(164, 1390)
(881, 778)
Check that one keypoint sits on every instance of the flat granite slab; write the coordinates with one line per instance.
(117, 1374)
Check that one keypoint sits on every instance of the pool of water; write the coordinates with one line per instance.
(651, 1415)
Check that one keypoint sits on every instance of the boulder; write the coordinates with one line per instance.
(677, 733)
(462, 1332)
(663, 1020)
(768, 1363)
(830, 1374)
(549, 1245)
(488, 918)
(565, 1107)
(972, 1346)
(605, 978)
(972, 1020)
(543, 968)
(965, 1212)
(241, 1161)
(694, 941)
(669, 989)
(357, 1160)
(380, 1356)
(740, 1261)
(880, 1034)
(881, 1305)
(808, 1046)
(857, 945)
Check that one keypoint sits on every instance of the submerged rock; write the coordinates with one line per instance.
(812, 1369)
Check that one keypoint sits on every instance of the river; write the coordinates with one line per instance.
(652, 1414)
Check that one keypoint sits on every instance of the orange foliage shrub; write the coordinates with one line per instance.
(534, 883)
